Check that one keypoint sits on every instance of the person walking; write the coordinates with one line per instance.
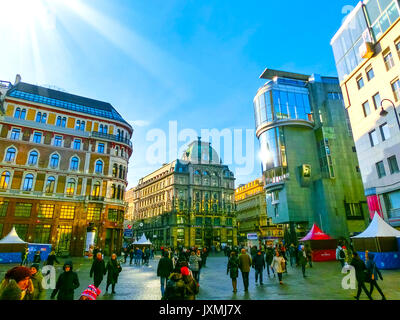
(292, 253)
(340, 255)
(37, 277)
(361, 275)
(269, 256)
(374, 272)
(24, 257)
(131, 256)
(279, 265)
(98, 270)
(37, 258)
(67, 282)
(302, 260)
(194, 265)
(259, 266)
(233, 269)
(204, 255)
(308, 255)
(191, 285)
(175, 289)
(51, 259)
(17, 284)
(244, 266)
(113, 270)
(164, 270)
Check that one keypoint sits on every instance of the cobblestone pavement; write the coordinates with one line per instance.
(323, 282)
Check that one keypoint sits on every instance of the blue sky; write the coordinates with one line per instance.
(196, 62)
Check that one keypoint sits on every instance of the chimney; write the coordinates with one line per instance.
(17, 79)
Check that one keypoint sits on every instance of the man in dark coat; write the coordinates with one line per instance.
(374, 272)
(66, 284)
(302, 259)
(164, 269)
(204, 255)
(361, 275)
(113, 270)
(245, 265)
(269, 256)
(259, 266)
(98, 269)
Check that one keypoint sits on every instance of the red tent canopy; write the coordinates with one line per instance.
(316, 234)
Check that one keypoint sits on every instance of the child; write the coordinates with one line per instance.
(91, 293)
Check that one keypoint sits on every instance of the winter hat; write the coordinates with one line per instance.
(18, 273)
(185, 271)
(91, 292)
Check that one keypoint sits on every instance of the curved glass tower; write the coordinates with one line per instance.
(308, 164)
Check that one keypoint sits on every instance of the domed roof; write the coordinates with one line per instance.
(208, 155)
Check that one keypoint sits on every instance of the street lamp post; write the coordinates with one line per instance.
(384, 113)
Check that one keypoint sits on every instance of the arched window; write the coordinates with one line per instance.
(4, 180)
(17, 113)
(38, 117)
(96, 189)
(122, 152)
(74, 164)
(28, 182)
(122, 193)
(63, 122)
(10, 154)
(105, 128)
(115, 170)
(119, 193)
(99, 166)
(101, 128)
(58, 123)
(78, 125)
(44, 117)
(50, 185)
(113, 190)
(116, 150)
(82, 126)
(120, 171)
(118, 134)
(54, 161)
(33, 158)
(70, 187)
(23, 114)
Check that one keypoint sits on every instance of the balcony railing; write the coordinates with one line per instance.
(111, 137)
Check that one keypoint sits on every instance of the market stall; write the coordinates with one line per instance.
(322, 245)
(382, 240)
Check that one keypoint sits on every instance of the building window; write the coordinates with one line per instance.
(112, 215)
(82, 127)
(5, 180)
(380, 168)
(93, 214)
(360, 83)
(96, 189)
(397, 44)
(100, 148)
(377, 101)
(58, 141)
(389, 61)
(3, 208)
(373, 138)
(74, 164)
(10, 155)
(22, 230)
(33, 158)
(15, 133)
(44, 118)
(370, 74)
(217, 222)
(335, 96)
(396, 89)
(63, 122)
(54, 161)
(23, 210)
(67, 212)
(99, 166)
(354, 211)
(50, 185)
(28, 182)
(37, 137)
(41, 117)
(113, 191)
(77, 144)
(42, 234)
(78, 125)
(70, 187)
(46, 211)
(366, 109)
(385, 133)
(115, 170)
(58, 123)
(17, 113)
(393, 165)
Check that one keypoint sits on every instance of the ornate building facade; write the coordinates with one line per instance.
(254, 225)
(63, 169)
(188, 202)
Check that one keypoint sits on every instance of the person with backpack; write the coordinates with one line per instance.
(233, 269)
(361, 275)
(164, 269)
(340, 255)
(175, 289)
(374, 272)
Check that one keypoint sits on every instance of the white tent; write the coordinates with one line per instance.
(12, 238)
(143, 241)
(378, 228)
